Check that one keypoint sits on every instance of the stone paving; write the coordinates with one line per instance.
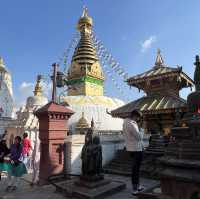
(25, 191)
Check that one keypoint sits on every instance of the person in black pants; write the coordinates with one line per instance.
(136, 164)
(134, 144)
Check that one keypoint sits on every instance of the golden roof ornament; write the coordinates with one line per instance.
(85, 70)
(82, 123)
(159, 60)
(1, 61)
(85, 22)
(2, 66)
(38, 87)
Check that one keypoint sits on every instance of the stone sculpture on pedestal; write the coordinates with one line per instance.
(91, 157)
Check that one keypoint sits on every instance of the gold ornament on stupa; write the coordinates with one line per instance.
(159, 60)
(85, 73)
(1, 61)
(38, 86)
(2, 65)
(85, 21)
(82, 123)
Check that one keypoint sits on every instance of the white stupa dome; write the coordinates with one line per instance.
(35, 101)
(38, 100)
(95, 107)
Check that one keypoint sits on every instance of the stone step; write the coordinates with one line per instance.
(119, 161)
(118, 166)
(117, 171)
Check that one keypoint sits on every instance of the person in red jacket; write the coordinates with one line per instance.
(26, 143)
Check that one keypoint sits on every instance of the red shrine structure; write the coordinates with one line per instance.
(52, 133)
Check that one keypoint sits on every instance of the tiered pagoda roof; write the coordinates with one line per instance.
(154, 104)
(161, 85)
(160, 71)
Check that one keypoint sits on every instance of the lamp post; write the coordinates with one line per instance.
(59, 80)
(54, 77)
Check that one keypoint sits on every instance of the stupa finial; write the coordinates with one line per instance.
(159, 60)
(85, 12)
(1, 61)
(38, 87)
(85, 22)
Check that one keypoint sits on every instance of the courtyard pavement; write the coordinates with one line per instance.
(25, 191)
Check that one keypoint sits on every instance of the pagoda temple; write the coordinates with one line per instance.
(162, 85)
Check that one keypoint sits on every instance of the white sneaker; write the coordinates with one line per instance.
(140, 188)
(135, 192)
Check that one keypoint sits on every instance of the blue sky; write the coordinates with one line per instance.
(34, 34)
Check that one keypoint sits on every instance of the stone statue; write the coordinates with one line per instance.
(86, 154)
(97, 155)
(91, 156)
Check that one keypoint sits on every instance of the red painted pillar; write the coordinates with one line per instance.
(52, 132)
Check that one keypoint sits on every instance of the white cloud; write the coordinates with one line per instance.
(146, 44)
(26, 86)
(25, 90)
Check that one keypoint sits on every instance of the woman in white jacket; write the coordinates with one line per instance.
(134, 144)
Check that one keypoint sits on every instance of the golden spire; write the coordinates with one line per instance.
(82, 123)
(85, 70)
(159, 60)
(85, 22)
(1, 61)
(38, 87)
(2, 65)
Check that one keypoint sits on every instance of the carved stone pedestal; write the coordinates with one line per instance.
(91, 183)
(83, 189)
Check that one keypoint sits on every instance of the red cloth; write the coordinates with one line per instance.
(26, 146)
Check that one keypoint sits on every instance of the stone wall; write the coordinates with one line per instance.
(110, 144)
(4, 123)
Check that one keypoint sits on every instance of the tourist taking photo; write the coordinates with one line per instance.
(134, 144)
